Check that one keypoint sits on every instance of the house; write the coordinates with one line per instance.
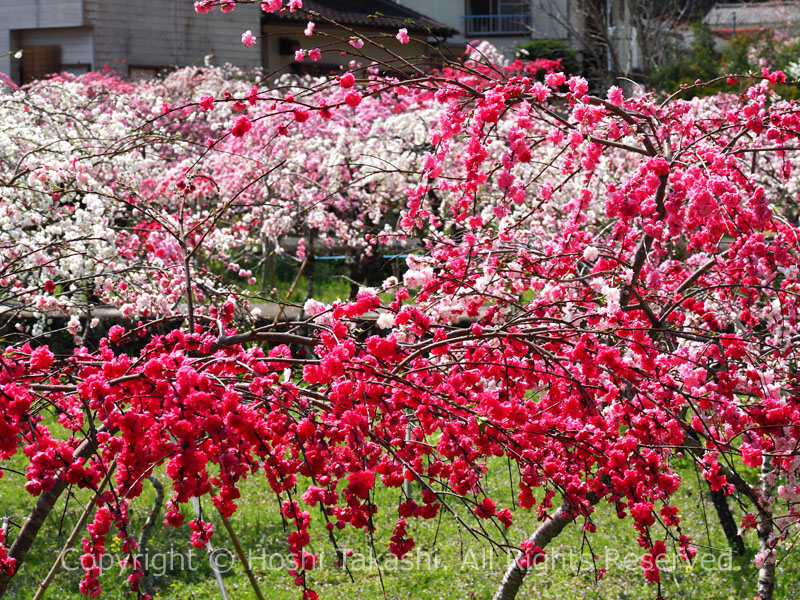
(145, 36)
(507, 22)
(378, 20)
(142, 37)
(84, 35)
(729, 20)
(600, 30)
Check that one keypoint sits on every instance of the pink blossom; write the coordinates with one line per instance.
(615, 96)
(402, 36)
(248, 39)
(352, 99)
(271, 5)
(203, 6)
(241, 126)
(554, 79)
(309, 30)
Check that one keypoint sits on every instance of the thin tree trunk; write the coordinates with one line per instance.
(512, 580)
(766, 574)
(146, 582)
(44, 504)
(223, 593)
(310, 264)
(728, 522)
(76, 531)
(242, 557)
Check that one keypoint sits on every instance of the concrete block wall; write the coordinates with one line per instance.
(156, 33)
(18, 15)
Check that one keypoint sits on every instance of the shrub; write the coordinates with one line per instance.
(552, 50)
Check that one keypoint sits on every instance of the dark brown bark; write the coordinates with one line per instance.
(727, 521)
(44, 504)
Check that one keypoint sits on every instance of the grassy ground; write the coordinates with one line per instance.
(331, 279)
(446, 564)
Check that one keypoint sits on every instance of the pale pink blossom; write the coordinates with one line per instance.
(248, 39)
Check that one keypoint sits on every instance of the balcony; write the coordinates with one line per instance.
(511, 24)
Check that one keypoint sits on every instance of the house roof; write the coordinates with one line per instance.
(375, 14)
(753, 16)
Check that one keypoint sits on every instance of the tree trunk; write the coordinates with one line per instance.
(512, 580)
(766, 573)
(44, 504)
(727, 521)
(366, 270)
(310, 264)
(146, 582)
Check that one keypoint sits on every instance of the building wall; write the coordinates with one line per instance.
(6, 61)
(75, 42)
(32, 14)
(160, 33)
(18, 15)
(549, 19)
(449, 12)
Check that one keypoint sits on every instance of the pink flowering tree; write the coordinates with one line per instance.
(606, 283)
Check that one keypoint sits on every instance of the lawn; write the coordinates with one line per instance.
(447, 563)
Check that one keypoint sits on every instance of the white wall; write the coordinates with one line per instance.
(552, 19)
(449, 12)
(548, 20)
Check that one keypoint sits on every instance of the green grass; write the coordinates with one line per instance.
(448, 563)
(331, 279)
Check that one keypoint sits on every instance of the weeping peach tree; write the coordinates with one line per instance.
(603, 283)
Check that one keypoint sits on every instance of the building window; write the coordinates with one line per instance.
(287, 46)
(498, 17)
(139, 73)
(40, 61)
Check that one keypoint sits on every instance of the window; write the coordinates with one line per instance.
(498, 17)
(287, 46)
(39, 61)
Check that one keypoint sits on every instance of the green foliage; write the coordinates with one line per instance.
(702, 62)
(750, 52)
(746, 53)
(552, 50)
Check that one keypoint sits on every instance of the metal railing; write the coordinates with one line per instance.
(512, 24)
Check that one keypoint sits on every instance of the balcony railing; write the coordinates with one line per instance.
(497, 24)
